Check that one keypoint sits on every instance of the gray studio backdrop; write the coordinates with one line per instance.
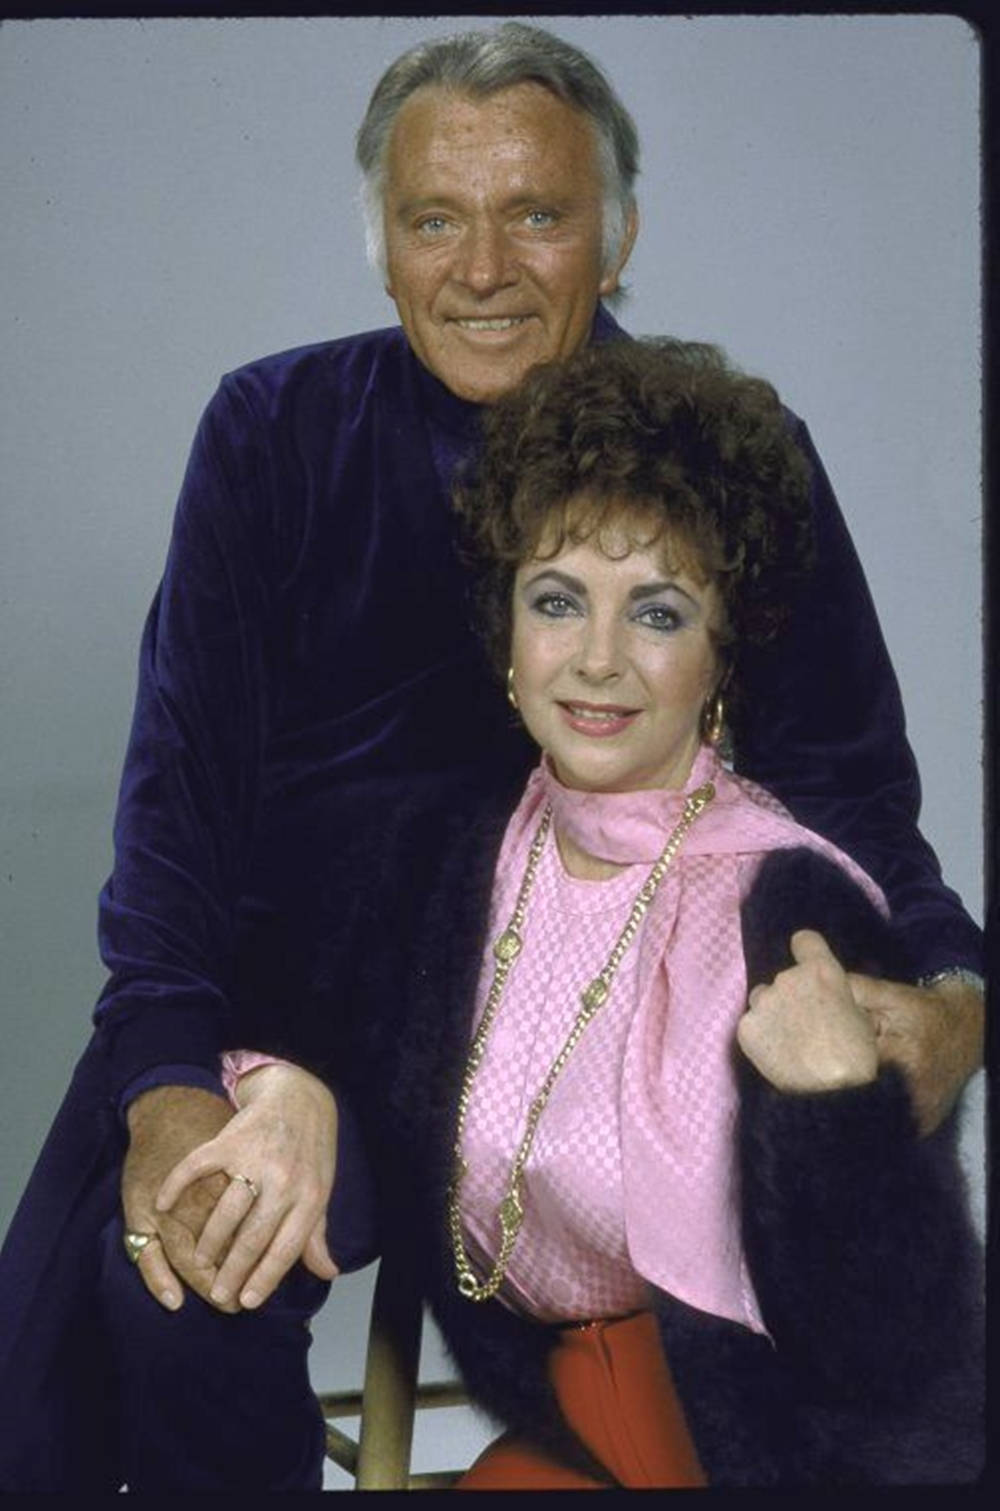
(179, 197)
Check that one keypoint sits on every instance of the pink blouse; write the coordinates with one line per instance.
(632, 1175)
(572, 1259)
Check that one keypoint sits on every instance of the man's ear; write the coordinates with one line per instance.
(609, 282)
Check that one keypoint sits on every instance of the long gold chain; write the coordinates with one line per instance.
(505, 951)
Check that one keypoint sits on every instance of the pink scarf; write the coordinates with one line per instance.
(678, 1088)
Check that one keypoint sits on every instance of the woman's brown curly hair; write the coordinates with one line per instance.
(666, 431)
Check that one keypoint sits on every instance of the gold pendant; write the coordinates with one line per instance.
(511, 1215)
(595, 995)
(508, 946)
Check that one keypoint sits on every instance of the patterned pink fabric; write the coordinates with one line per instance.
(239, 1062)
(632, 1175)
(571, 1259)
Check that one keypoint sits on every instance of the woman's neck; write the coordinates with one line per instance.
(601, 834)
(579, 863)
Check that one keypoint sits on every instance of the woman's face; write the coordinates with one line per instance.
(614, 657)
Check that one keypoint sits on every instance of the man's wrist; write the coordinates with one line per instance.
(167, 1075)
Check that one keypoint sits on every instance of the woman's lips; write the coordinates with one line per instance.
(599, 720)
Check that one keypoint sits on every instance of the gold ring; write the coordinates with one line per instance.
(135, 1243)
(246, 1181)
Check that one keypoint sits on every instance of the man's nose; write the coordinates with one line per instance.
(484, 261)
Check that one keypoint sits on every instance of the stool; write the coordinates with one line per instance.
(391, 1394)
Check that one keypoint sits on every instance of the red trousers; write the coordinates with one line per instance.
(616, 1392)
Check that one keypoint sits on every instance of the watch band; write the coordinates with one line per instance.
(955, 973)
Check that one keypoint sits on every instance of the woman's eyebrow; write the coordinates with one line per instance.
(651, 589)
(571, 584)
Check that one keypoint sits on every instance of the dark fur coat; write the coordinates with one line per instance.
(857, 1233)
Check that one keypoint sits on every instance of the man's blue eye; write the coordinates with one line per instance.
(539, 218)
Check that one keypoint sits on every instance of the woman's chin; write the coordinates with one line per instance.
(601, 769)
(598, 776)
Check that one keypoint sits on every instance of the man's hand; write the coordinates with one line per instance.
(805, 1032)
(933, 1033)
(284, 1140)
(165, 1124)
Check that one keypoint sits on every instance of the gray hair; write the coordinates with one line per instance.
(480, 63)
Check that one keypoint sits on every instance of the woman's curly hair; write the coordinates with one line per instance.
(666, 431)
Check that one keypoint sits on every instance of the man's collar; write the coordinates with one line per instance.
(606, 327)
(444, 408)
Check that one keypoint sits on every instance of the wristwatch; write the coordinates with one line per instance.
(955, 973)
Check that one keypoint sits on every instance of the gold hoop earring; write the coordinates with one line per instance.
(713, 720)
(511, 694)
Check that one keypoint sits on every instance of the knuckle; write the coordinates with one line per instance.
(280, 1176)
(148, 1268)
(247, 1246)
(312, 1196)
(765, 1003)
(284, 1251)
(748, 1030)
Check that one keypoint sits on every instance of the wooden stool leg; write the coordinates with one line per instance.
(390, 1380)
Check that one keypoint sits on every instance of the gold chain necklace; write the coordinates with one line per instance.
(505, 952)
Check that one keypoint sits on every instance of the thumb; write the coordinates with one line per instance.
(869, 991)
(808, 947)
(316, 1256)
(873, 995)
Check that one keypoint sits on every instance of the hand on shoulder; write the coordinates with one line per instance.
(805, 1032)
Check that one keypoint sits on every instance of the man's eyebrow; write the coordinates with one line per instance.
(411, 203)
(525, 198)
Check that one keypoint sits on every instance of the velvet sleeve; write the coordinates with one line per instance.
(822, 727)
(857, 1232)
(188, 794)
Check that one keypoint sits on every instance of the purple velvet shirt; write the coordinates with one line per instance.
(313, 625)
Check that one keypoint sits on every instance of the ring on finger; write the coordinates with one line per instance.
(246, 1181)
(135, 1243)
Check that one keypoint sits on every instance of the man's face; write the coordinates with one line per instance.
(493, 233)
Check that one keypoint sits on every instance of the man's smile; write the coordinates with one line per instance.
(489, 323)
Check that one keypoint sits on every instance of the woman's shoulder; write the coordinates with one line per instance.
(801, 888)
(401, 829)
